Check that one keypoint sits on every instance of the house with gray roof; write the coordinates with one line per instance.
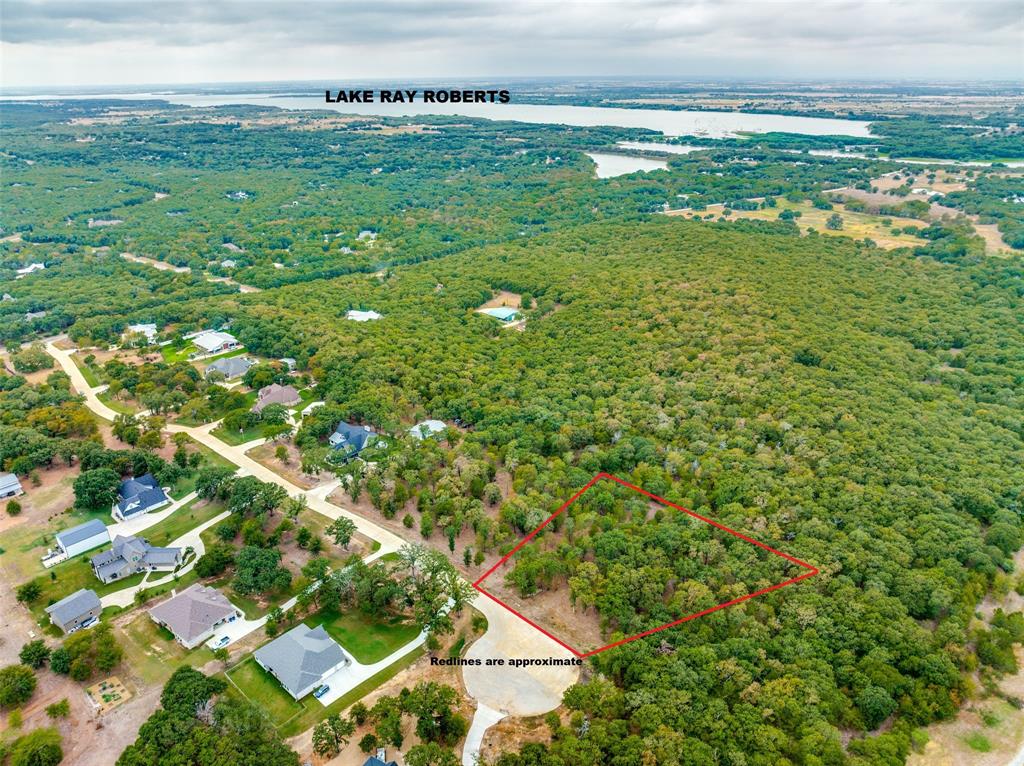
(275, 394)
(130, 555)
(301, 658)
(72, 612)
(10, 486)
(230, 367)
(137, 495)
(194, 615)
(82, 538)
(349, 439)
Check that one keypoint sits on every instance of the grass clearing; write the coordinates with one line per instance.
(855, 225)
(116, 404)
(89, 373)
(367, 638)
(978, 741)
(183, 520)
(235, 438)
(154, 657)
(261, 688)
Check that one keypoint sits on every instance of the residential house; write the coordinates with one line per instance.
(301, 658)
(29, 269)
(427, 429)
(140, 494)
(378, 759)
(8, 297)
(231, 367)
(351, 439)
(147, 330)
(502, 313)
(84, 537)
(10, 486)
(227, 263)
(130, 555)
(275, 394)
(288, 362)
(80, 609)
(362, 316)
(214, 342)
(32, 315)
(194, 614)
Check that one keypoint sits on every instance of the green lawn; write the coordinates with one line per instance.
(89, 373)
(172, 355)
(235, 438)
(368, 639)
(71, 576)
(116, 404)
(307, 395)
(263, 689)
(313, 712)
(152, 656)
(188, 517)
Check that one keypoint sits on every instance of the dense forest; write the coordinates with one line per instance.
(859, 408)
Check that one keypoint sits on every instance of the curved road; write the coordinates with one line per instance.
(499, 691)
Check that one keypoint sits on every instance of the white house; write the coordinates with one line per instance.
(29, 269)
(214, 342)
(362, 316)
(82, 538)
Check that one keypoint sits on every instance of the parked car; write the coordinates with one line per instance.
(224, 640)
(320, 691)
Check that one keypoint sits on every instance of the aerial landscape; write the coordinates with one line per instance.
(666, 410)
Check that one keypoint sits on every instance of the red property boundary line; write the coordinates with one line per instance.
(812, 570)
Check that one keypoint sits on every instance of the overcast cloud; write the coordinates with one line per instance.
(82, 42)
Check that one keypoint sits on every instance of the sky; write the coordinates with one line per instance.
(120, 42)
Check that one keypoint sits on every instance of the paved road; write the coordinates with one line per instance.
(521, 691)
(79, 382)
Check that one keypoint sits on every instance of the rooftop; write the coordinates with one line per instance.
(301, 656)
(82, 532)
(193, 612)
(75, 605)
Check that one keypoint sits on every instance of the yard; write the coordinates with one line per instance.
(186, 484)
(152, 656)
(234, 438)
(256, 684)
(313, 712)
(70, 576)
(368, 639)
(125, 407)
(186, 518)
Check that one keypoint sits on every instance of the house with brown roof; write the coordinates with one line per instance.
(194, 615)
(275, 394)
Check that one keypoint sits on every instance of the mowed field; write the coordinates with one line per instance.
(855, 225)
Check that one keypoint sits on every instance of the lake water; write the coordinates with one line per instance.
(611, 165)
(667, 121)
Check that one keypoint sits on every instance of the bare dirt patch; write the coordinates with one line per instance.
(502, 299)
(291, 470)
